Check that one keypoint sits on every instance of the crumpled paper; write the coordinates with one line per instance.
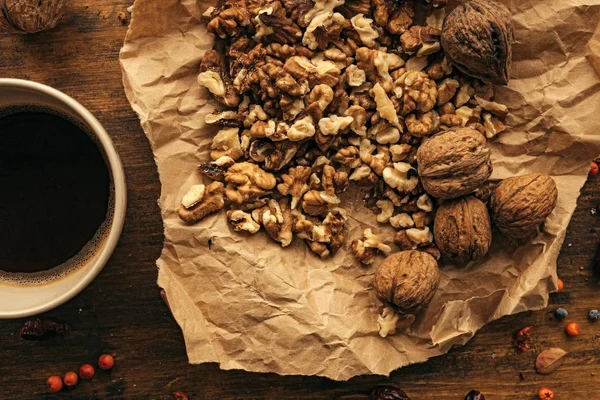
(245, 303)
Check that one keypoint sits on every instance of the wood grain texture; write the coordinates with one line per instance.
(121, 312)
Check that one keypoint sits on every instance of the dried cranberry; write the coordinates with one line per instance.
(387, 392)
(522, 339)
(180, 396)
(475, 395)
(42, 329)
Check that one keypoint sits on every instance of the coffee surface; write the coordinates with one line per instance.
(54, 190)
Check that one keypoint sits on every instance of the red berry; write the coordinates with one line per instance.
(70, 379)
(54, 383)
(86, 371)
(106, 361)
(572, 329)
(561, 285)
(593, 169)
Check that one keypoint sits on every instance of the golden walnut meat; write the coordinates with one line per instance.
(462, 230)
(454, 163)
(477, 37)
(521, 203)
(408, 280)
(209, 201)
(246, 181)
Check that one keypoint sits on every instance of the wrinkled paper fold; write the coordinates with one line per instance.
(245, 303)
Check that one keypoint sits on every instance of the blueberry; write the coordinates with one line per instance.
(594, 315)
(560, 313)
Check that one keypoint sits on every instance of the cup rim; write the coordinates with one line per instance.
(118, 174)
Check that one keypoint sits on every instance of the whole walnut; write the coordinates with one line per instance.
(454, 163)
(477, 37)
(30, 16)
(462, 230)
(408, 280)
(521, 203)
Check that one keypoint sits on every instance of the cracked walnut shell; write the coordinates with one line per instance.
(408, 280)
(520, 203)
(462, 230)
(477, 37)
(454, 163)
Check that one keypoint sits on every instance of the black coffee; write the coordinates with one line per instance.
(54, 190)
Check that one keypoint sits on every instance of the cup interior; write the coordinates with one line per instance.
(21, 300)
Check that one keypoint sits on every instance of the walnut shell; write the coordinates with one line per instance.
(407, 279)
(454, 163)
(30, 16)
(462, 230)
(477, 37)
(521, 203)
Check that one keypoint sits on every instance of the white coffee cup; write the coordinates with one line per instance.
(21, 300)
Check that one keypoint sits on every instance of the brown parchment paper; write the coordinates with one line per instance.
(245, 303)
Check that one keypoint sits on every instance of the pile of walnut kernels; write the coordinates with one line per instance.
(322, 95)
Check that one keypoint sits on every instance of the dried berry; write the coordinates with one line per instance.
(593, 169)
(106, 361)
(55, 384)
(42, 329)
(560, 313)
(521, 340)
(475, 395)
(545, 394)
(86, 371)
(180, 396)
(387, 392)
(572, 329)
(549, 360)
(594, 315)
(561, 285)
(70, 379)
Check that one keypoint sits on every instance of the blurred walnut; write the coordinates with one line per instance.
(275, 81)
(365, 250)
(521, 203)
(462, 230)
(230, 20)
(246, 181)
(375, 63)
(422, 40)
(326, 72)
(477, 38)
(324, 29)
(297, 9)
(454, 163)
(348, 156)
(277, 220)
(281, 28)
(492, 125)
(211, 201)
(214, 76)
(242, 221)
(365, 30)
(30, 16)
(408, 280)
(314, 204)
(351, 8)
(422, 124)
(401, 177)
(226, 143)
(324, 238)
(295, 184)
(446, 90)
(416, 91)
(283, 152)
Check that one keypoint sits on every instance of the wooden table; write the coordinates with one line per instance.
(122, 312)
